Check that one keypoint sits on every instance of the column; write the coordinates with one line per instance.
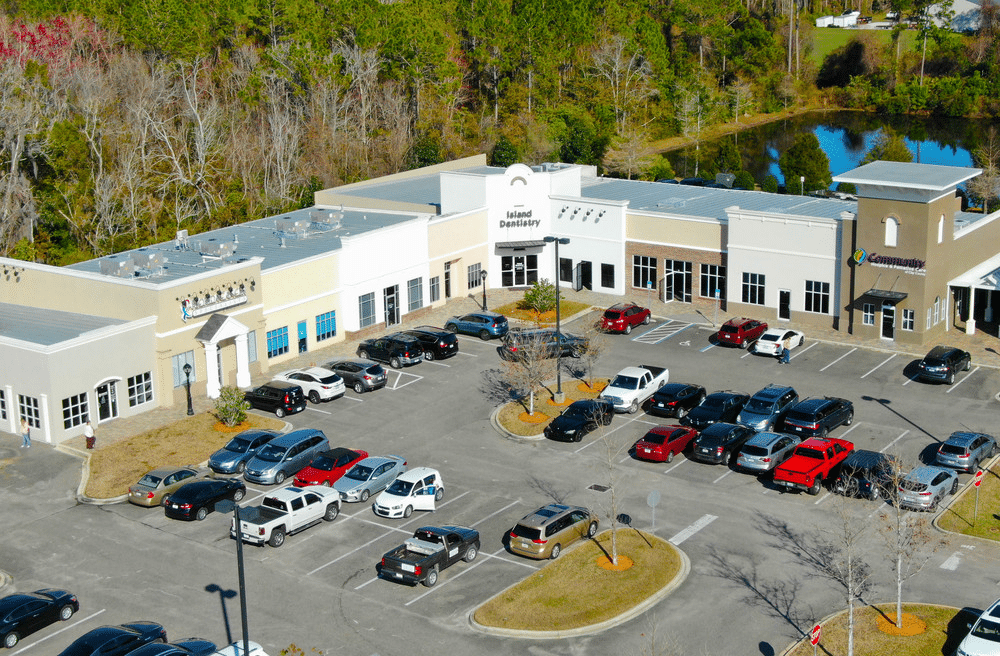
(212, 369)
(13, 424)
(43, 416)
(970, 323)
(242, 361)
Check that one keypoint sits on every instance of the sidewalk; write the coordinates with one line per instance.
(985, 349)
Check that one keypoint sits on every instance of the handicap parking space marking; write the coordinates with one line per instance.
(961, 381)
(55, 633)
(662, 332)
(839, 359)
(710, 346)
(680, 537)
(878, 366)
(399, 376)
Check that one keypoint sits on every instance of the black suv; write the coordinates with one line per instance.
(717, 407)
(437, 343)
(277, 397)
(818, 416)
(544, 343)
(942, 363)
(362, 375)
(396, 349)
(867, 474)
(720, 443)
(580, 418)
(675, 400)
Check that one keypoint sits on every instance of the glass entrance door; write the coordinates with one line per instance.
(888, 321)
(391, 297)
(784, 304)
(107, 400)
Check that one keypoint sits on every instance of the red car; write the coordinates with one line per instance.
(662, 443)
(623, 317)
(741, 332)
(329, 466)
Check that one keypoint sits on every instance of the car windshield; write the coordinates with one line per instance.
(654, 438)
(754, 450)
(953, 449)
(729, 329)
(612, 314)
(712, 440)
(375, 370)
(323, 463)
(400, 488)
(713, 402)
(760, 405)
(625, 382)
(987, 630)
(582, 411)
(912, 486)
(525, 532)
(809, 453)
(329, 380)
(237, 445)
(271, 453)
(769, 338)
(359, 473)
(150, 481)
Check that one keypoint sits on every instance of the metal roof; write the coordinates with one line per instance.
(279, 240)
(48, 327)
(930, 177)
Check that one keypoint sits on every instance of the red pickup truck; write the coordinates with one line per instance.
(812, 462)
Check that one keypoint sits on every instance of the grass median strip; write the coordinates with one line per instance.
(961, 517)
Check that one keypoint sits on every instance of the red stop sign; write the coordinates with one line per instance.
(814, 634)
(978, 478)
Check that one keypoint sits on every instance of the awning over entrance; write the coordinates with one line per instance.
(520, 244)
(886, 295)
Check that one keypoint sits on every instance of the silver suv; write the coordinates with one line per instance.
(966, 450)
(767, 408)
(765, 451)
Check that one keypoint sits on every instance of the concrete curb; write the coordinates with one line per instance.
(85, 478)
(498, 427)
(792, 647)
(934, 522)
(592, 629)
(6, 581)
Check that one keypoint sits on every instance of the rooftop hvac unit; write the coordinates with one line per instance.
(112, 266)
(181, 241)
(326, 218)
(215, 248)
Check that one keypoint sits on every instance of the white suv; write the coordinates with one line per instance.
(317, 383)
(984, 638)
(417, 489)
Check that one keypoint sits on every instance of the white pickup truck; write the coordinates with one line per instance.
(634, 385)
(287, 511)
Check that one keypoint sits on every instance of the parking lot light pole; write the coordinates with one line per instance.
(559, 396)
(187, 384)
(482, 276)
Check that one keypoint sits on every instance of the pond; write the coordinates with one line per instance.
(846, 137)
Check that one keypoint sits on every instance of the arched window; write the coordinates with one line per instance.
(891, 231)
(941, 229)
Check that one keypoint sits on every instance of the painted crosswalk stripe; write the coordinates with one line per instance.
(704, 521)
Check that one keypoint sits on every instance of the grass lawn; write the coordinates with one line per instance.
(945, 629)
(575, 591)
(828, 39)
(960, 514)
(515, 311)
(188, 441)
(510, 416)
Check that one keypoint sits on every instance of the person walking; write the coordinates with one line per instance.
(786, 353)
(25, 434)
(88, 432)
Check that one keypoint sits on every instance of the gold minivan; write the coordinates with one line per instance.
(547, 531)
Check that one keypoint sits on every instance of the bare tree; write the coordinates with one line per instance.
(987, 156)
(629, 154)
(689, 115)
(610, 450)
(527, 368)
(361, 67)
(627, 73)
(844, 562)
(597, 345)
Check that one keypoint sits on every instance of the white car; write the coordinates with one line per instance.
(984, 638)
(236, 649)
(417, 489)
(770, 343)
(317, 383)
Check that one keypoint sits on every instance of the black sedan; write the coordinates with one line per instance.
(717, 407)
(116, 640)
(23, 614)
(580, 418)
(675, 400)
(195, 500)
(438, 343)
(188, 647)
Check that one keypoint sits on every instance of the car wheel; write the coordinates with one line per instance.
(814, 488)
(578, 436)
(670, 456)
(439, 493)
(431, 578)
(395, 363)
(279, 478)
(607, 419)
(681, 412)
(331, 512)
(364, 495)
(993, 450)
(934, 504)
(850, 418)
(628, 329)
(363, 354)
(634, 408)
(875, 493)
(975, 466)
(451, 328)
(201, 514)
(407, 511)
(954, 486)
(10, 640)
(592, 530)
(744, 344)
(576, 352)
(471, 553)
(556, 550)
(968, 364)
(645, 320)
(239, 494)
(484, 335)
(314, 397)
(428, 355)
(65, 613)
(277, 538)
(823, 432)
(279, 412)
(951, 378)
(241, 467)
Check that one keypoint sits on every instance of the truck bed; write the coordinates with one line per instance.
(257, 515)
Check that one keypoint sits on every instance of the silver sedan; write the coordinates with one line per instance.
(765, 451)
(371, 475)
(925, 487)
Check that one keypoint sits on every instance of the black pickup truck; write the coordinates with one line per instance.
(431, 549)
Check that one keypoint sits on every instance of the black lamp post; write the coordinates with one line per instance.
(187, 383)
(560, 397)
(482, 276)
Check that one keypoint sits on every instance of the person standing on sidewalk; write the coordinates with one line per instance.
(25, 434)
(88, 432)
(786, 352)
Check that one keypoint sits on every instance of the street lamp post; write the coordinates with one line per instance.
(482, 276)
(187, 384)
(802, 185)
(559, 396)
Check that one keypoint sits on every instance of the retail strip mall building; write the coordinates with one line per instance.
(109, 338)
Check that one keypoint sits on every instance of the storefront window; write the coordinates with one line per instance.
(177, 364)
(677, 280)
(817, 297)
(474, 278)
(326, 325)
(366, 309)
(868, 314)
(909, 317)
(713, 281)
(753, 288)
(518, 270)
(27, 406)
(277, 341)
(643, 271)
(608, 276)
(565, 269)
(415, 294)
(435, 288)
(140, 389)
(74, 410)
(937, 310)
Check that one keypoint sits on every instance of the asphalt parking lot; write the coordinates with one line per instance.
(320, 589)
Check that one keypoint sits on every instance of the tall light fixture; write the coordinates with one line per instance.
(560, 397)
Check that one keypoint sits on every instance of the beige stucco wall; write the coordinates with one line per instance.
(461, 240)
(686, 232)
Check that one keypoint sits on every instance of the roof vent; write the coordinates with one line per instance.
(112, 266)
(215, 248)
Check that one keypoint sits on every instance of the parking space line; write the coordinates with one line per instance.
(399, 376)
(798, 353)
(704, 521)
(710, 346)
(54, 634)
(728, 472)
(608, 433)
(748, 353)
(441, 584)
(910, 379)
(853, 426)
(879, 365)
(351, 398)
(962, 381)
(440, 364)
(839, 359)
(882, 450)
(471, 355)
(325, 412)
(872, 513)
(821, 499)
(683, 460)
(513, 562)
(512, 503)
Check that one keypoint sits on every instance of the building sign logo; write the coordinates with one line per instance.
(909, 264)
(860, 256)
(519, 219)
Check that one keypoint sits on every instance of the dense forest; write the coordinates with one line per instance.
(124, 121)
